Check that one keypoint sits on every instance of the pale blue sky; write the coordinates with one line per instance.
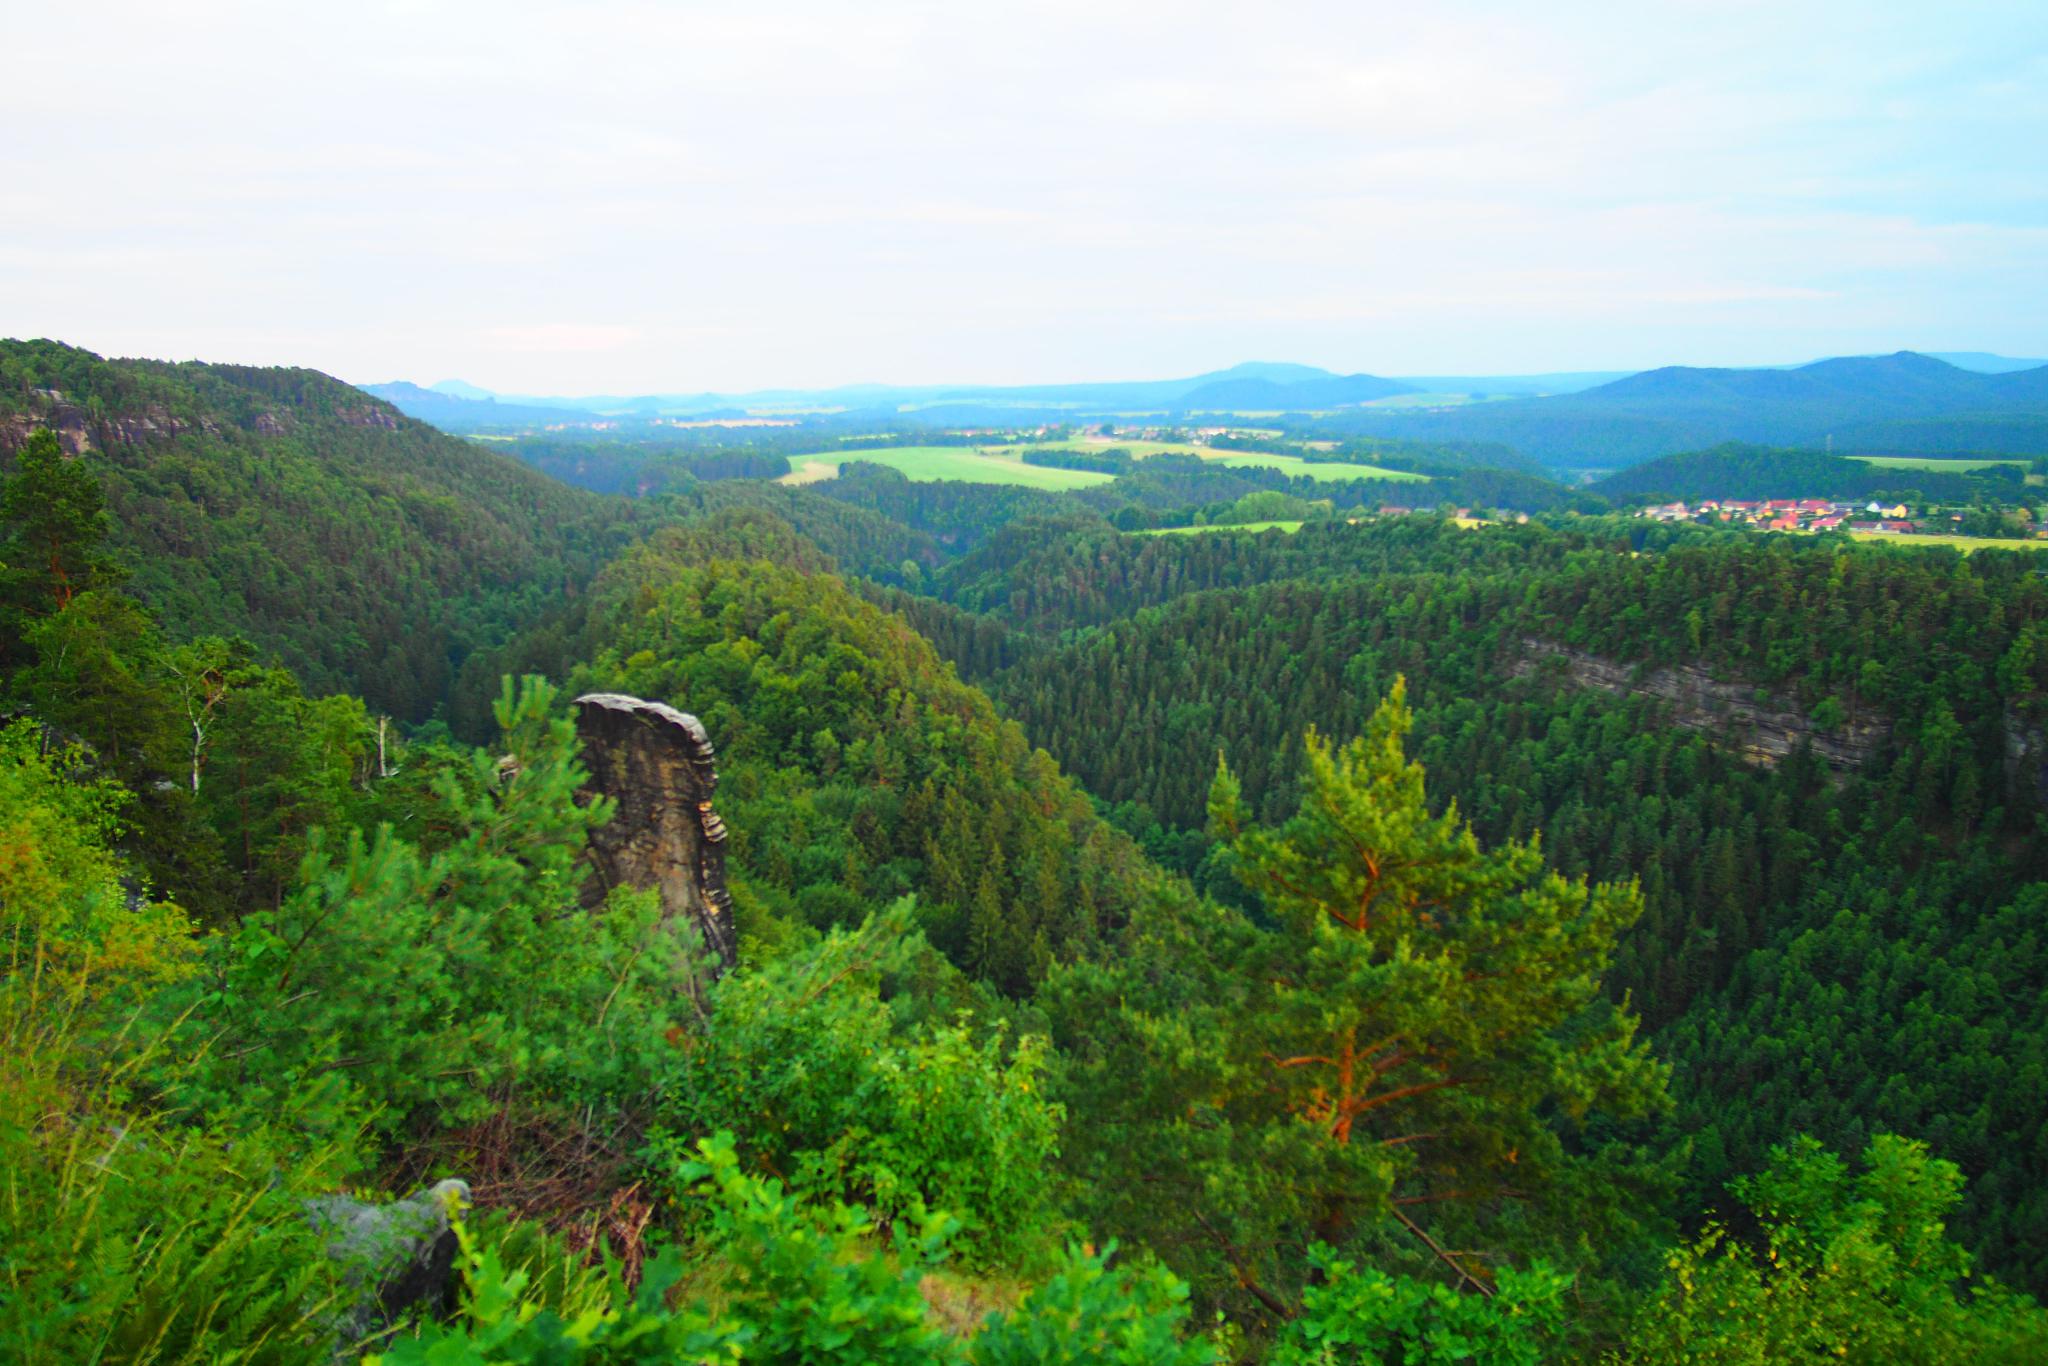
(615, 196)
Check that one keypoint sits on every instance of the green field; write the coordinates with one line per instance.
(1314, 469)
(1140, 449)
(1931, 462)
(1292, 465)
(927, 464)
(1240, 526)
(1966, 544)
(1003, 465)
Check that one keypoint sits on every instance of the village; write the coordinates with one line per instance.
(1873, 518)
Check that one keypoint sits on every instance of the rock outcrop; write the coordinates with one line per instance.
(1761, 728)
(2026, 754)
(656, 763)
(79, 432)
(399, 1258)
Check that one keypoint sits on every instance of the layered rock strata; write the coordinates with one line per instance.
(656, 764)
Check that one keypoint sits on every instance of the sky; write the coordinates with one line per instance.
(638, 197)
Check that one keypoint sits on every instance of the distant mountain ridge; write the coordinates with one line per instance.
(1905, 402)
(443, 407)
(1253, 386)
(1269, 395)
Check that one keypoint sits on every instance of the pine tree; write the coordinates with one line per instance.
(56, 518)
(1424, 1003)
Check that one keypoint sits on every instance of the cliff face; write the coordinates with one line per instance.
(2026, 754)
(656, 763)
(81, 432)
(1761, 728)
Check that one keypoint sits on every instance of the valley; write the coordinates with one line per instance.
(1024, 685)
(1031, 789)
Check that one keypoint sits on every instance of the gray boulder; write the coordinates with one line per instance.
(400, 1257)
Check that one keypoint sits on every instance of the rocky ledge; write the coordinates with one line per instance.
(1760, 727)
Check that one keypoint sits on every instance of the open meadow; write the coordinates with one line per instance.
(1292, 465)
(1966, 544)
(927, 464)
(1004, 464)
(1240, 526)
(1936, 463)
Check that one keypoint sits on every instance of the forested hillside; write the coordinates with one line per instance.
(1806, 927)
(1398, 940)
(363, 549)
(1758, 472)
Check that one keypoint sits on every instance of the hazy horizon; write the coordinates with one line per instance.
(626, 198)
(1035, 381)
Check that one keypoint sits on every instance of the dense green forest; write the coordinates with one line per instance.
(1805, 929)
(1736, 471)
(1578, 940)
(366, 550)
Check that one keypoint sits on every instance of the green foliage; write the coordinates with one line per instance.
(802, 1061)
(357, 547)
(431, 980)
(79, 956)
(1412, 1033)
(1361, 1100)
(1414, 970)
(128, 1240)
(1089, 1312)
(788, 1281)
(799, 1285)
(1358, 1314)
(1852, 1268)
(122, 1236)
(1837, 949)
(1757, 472)
(231, 763)
(851, 758)
(54, 517)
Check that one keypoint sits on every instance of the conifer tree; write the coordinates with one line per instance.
(56, 517)
(1425, 1006)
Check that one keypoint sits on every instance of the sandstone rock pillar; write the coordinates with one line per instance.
(656, 764)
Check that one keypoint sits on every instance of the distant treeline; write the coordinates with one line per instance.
(1418, 457)
(1112, 460)
(647, 467)
(1740, 471)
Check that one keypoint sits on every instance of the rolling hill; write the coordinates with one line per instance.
(1252, 395)
(363, 549)
(1905, 402)
(469, 411)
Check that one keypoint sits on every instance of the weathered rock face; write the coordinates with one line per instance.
(370, 415)
(2026, 755)
(656, 763)
(80, 433)
(1761, 730)
(400, 1257)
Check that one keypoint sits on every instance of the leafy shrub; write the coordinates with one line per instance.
(1358, 1314)
(807, 1283)
(801, 1061)
(1856, 1268)
(1088, 1312)
(426, 981)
